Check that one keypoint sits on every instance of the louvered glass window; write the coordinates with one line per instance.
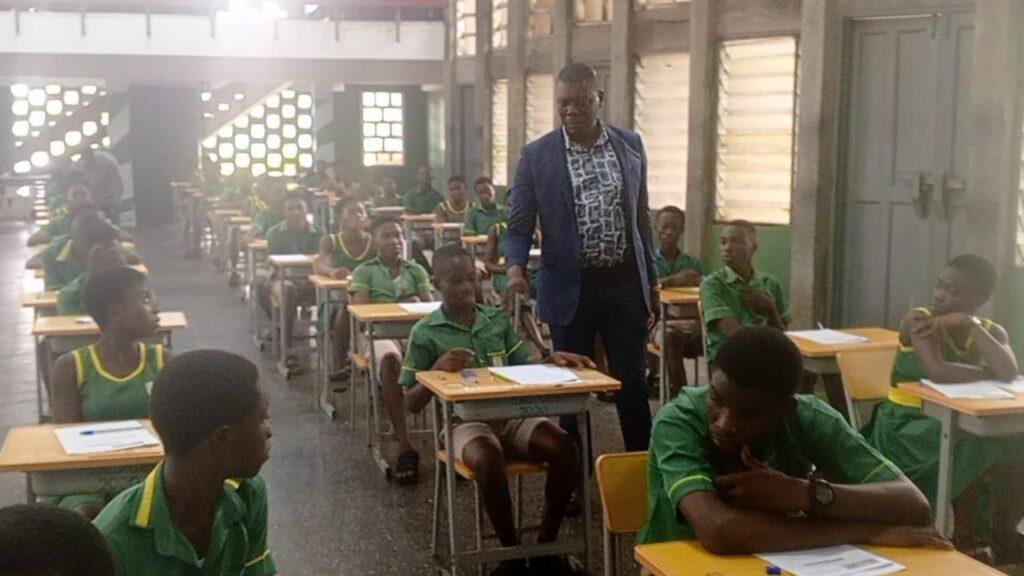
(540, 17)
(593, 10)
(499, 24)
(661, 108)
(465, 27)
(756, 129)
(499, 132)
(540, 105)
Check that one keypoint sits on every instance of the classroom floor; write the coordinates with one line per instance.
(331, 511)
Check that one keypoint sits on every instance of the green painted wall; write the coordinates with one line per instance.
(773, 251)
(1014, 322)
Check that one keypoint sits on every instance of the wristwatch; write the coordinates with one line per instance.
(822, 495)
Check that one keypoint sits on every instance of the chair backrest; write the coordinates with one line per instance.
(622, 482)
(865, 380)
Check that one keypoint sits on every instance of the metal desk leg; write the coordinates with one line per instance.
(325, 346)
(943, 502)
(407, 229)
(40, 358)
(353, 347)
(449, 443)
(663, 386)
(377, 447)
(584, 426)
(284, 307)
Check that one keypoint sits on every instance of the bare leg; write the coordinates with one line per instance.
(341, 336)
(554, 446)
(394, 399)
(487, 462)
(675, 344)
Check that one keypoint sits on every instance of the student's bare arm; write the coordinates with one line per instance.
(322, 264)
(67, 404)
(491, 254)
(425, 295)
(360, 297)
(926, 339)
(994, 345)
(417, 397)
(728, 326)
(723, 529)
(131, 258)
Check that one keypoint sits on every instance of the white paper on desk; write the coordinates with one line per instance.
(827, 336)
(105, 437)
(292, 259)
(970, 390)
(84, 320)
(535, 374)
(1015, 386)
(420, 307)
(832, 561)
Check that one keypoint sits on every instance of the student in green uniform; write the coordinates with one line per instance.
(455, 208)
(339, 255)
(59, 224)
(389, 278)
(111, 379)
(675, 268)
(422, 199)
(465, 334)
(46, 541)
(103, 252)
(947, 343)
(738, 294)
(731, 464)
(389, 196)
(203, 510)
(486, 212)
(64, 258)
(269, 210)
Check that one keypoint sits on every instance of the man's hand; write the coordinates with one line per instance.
(762, 488)
(455, 360)
(759, 301)
(570, 360)
(910, 537)
(517, 284)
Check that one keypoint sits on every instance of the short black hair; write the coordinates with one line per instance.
(98, 233)
(346, 200)
(297, 194)
(456, 178)
(761, 358)
(382, 219)
(483, 180)
(447, 254)
(85, 208)
(198, 392)
(577, 72)
(104, 288)
(673, 210)
(43, 540)
(746, 226)
(982, 274)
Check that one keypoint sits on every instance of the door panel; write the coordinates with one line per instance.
(869, 233)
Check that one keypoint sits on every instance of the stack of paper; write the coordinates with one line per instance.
(983, 390)
(536, 374)
(833, 561)
(292, 258)
(828, 337)
(105, 437)
(84, 320)
(420, 307)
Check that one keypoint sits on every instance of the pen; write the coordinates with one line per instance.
(94, 432)
(820, 326)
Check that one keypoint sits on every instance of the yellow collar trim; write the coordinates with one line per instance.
(103, 371)
(448, 206)
(142, 515)
(63, 256)
(345, 249)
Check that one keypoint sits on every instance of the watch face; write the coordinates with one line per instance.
(823, 493)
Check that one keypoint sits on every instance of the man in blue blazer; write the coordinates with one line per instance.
(586, 182)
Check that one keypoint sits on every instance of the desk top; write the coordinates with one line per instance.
(382, 313)
(257, 245)
(418, 217)
(447, 225)
(36, 449)
(291, 260)
(327, 282)
(680, 295)
(388, 210)
(474, 240)
(970, 406)
(878, 339)
(70, 326)
(240, 220)
(38, 272)
(220, 213)
(45, 299)
(688, 557)
(449, 386)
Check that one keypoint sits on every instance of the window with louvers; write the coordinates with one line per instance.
(499, 132)
(540, 17)
(593, 10)
(757, 97)
(499, 24)
(540, 105)
(661, 117)
(465, 27)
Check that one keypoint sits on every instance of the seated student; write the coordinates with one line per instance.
(388, 196)
(682, 338)
(102, 252)
(732, 465)
(454, 209)
(203, 510)
(197, 206)
(737, 294)
(465, 334)
(389, 278)
(947, 343)
(486, 212)
(422, 199)
(339, 255)
(111, 379)
(46, 541)
(60, 221)
(64, 257)
(268, 210)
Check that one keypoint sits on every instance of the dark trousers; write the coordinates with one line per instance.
(612, 305)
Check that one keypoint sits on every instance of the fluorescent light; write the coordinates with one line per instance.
(71, 97)
(37, 118)
(54, 107)
(88, 89)
(20, 128)
(52, 89)
(37, 97)
(239, 96)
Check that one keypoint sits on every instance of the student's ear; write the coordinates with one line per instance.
(600, 97)
(220, 441)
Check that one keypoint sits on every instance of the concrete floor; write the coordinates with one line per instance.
(331, 511)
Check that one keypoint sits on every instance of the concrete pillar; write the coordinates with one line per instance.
(561, 39)
(451, 135)
(482, 80)
(700, 182)
(995, 152)
(515, 67)
(119, 130)
(814, 194)
(323, 122)
(622, 72)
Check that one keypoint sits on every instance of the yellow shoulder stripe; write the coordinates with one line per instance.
(146, 504)
(258, 559)
(79, 367)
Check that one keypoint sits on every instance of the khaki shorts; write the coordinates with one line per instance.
(513, 437)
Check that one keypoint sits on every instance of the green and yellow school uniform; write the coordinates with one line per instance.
(450, 214)
(492, 339)
(910, 439)
(144, 541)
(420, 201)
(264, 219)
(479, 220)
(60, 264)
(720, 297)
(683, 261)
(71, 297)
(344, 257)
(374, 277)
(388, 202)
(59, 224)
(106, 397)
(683, 458)
(281, 240)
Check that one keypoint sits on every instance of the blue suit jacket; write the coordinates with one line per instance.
(543, 189)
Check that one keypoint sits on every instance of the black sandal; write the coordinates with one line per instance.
(407, 468)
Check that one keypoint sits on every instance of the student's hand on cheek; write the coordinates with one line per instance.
(762, 488)
(757, 300)
(922, 327)
(569, 360)
(910, 537)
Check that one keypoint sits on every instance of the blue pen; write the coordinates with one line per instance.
(94, 432)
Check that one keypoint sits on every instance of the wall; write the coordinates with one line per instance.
(1014, 322)
(772, 252)
(6, 119)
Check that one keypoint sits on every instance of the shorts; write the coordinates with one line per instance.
(382, 348)
(691, 331)
(512, 436)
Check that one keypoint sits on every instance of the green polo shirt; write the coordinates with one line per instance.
(281, 240)
(342, 257)
(59, 224)
(720, 298)
(60, 264)
(145, 542)
(388, 202)
(71, 297)
(420, 201)
(683, 459)
(479, 219)
(264, 220)
(682, 261)
(373, 277)
(492, 338)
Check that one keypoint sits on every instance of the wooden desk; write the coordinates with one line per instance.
(985, 418)
(329, 292)
(679, 296)
(474, 244)
(38, 272)
(66, 326)
(488, 398)
(36, 451)
(239, 220)
(450, 231)
(286, 267)
(37, 300)
(411, 223)
(821, 358)
(689, 558)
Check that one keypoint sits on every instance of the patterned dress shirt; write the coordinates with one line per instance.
(597, 186)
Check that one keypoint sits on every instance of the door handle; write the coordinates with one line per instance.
(923, 189)
(951, 187)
